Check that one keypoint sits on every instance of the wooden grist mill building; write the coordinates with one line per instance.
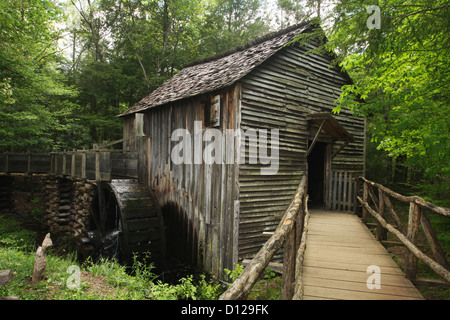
(216, 210)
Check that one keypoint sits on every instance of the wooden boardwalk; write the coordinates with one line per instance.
(339, 249)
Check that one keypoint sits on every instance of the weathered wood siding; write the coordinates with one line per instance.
(128, 132)
(222, 210)
(280, 94)
(200, 198)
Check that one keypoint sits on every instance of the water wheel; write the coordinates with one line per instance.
(126, 220)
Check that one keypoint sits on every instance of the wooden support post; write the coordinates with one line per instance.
(365, 198)
(97, 165)
(381, 232)
(72, 167)
(287, 280)
(56, 164)
(413, 228)
(244, 283)
(64, 163)
(300, 256)
(83, 165)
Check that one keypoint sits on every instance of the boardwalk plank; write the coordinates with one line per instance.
(339, 250)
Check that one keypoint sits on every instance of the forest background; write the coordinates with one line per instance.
(69, 67)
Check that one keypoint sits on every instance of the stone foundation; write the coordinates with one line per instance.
(65, 203)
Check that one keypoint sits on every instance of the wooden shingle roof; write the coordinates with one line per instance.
(219, 71)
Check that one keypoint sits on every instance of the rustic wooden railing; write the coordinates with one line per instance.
(99, 163)
(291, 229)
(407, 235)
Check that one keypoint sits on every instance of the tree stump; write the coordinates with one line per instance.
(6, 277)
(41, 260)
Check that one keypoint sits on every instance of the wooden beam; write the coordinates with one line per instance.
(340, 148)
(315, 138)
(298, 283)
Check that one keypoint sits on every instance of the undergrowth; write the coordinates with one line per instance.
(103, 280)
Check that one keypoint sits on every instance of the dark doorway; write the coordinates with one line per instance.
(316, 174)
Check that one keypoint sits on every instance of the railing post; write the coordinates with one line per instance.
(365, 198)
(97, 165)
(29, 163)
(83, 165)
(413, 228)
(381, 232)
(293, 241)
(72, 168)
(56, 164)
(64, 163)
(288, 277)
(355, 198)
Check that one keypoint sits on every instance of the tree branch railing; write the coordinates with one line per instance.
(407, 235)
(289, 231)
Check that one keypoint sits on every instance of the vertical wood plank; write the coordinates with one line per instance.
(335, 186)
(355, 195)
(344, 191)
(64, 163)
(235, 231)
(72, 168)
(380, 229)
(288, 275)
(83, 165)
(97, 165)
(413, 228)
(365, 198)
(350, 192)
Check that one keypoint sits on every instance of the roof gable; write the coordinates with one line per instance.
(219, 71)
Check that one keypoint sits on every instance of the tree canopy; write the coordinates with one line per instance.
(401, 74)
(68, 68)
